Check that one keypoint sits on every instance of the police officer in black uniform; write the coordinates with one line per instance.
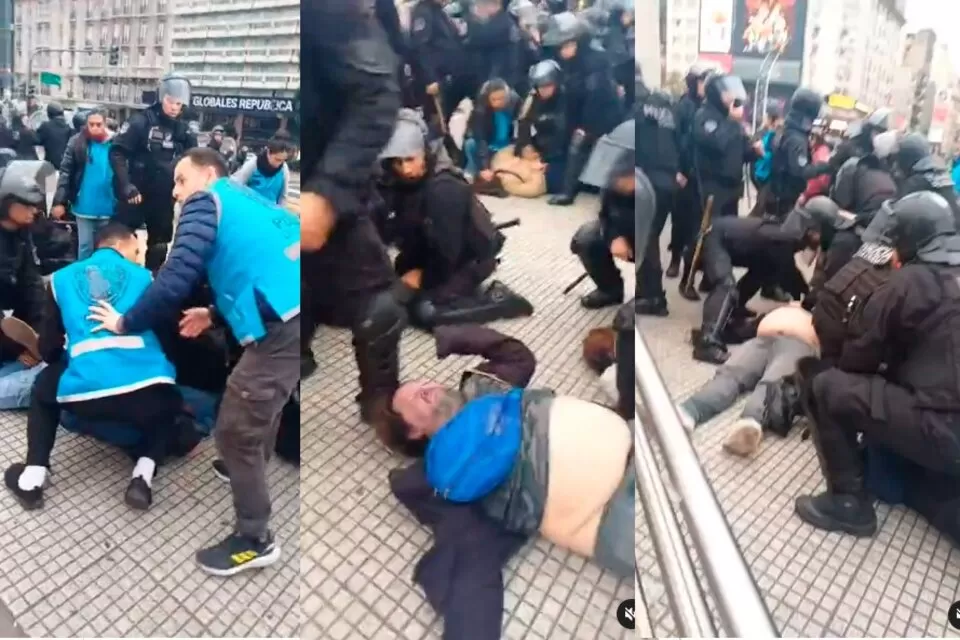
(350, 100)
(543, 121)
(143, 156)
(917, 169)
(438, 45)
(689, 207)
(790, 168)
(897, 379)
(658, 157)
(216, 137)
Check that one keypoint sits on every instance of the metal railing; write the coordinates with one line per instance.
(740, 606)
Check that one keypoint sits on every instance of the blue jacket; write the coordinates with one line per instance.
(101, 364)
(955, 175)
(248, 249)
(761, 168)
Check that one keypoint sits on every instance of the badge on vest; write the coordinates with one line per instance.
(802, 161)
(710, 126)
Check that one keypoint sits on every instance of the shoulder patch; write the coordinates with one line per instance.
(710, 126)
(802, 161)
(419, 24)
(125, 127)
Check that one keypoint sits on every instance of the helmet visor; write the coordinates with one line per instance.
(176, 90)
(731, 90)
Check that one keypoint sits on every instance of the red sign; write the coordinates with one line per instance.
(940, 113)
(722, 60)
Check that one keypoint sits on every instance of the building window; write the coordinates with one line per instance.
(103, 35)
(125, 58)
(116, 32)
(158, 51)
(143, 31)
(144, 5)
(161, 28)
(126, 33)
(124, 93)
(141, 55)
(161, 6)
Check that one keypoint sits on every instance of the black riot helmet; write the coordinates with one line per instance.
(544, 73)
(598, 21)
(806, 103)
(645, 209)
(173, 93)
(80, 119)
(54, 110)
(724, 91)
(920, 226)
(878, 121)
(20, 182)
(911, 149)
(562, 28)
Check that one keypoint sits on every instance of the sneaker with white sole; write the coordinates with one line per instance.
(686, 419)
(744, 438)
(237, 553)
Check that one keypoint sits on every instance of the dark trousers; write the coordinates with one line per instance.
(685, 218)
(152, 409)
(887, 415)
(156, 214)
(249, 418)
(463, 282)
(650, 274)
(591, 247)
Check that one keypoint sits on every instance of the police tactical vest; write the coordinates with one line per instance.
(101, 364)
(257, 251)
(270, 187)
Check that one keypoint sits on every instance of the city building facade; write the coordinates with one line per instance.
(72, 40)
(243, 59)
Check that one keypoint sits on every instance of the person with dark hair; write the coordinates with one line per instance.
(25, 140)
(267, 172)
(542, 122)
(95, 375)
(86, 183)
(143, 155)
(489, 128)
(586, 501)
(448, 242)
(249, 251)
(53, 135)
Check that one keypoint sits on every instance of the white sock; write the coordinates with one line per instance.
(144, 469)
(32, 477)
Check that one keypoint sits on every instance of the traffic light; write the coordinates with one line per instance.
(114, 56)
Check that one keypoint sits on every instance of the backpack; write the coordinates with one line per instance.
(763, 166)
(473, 453)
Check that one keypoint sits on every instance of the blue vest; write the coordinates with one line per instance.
(270, 187)
(101, 364)
(257, 251)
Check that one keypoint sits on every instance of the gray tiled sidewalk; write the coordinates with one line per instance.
(360, 545)
(898, 584)
(88, 566)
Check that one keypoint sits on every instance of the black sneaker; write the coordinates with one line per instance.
(220, 470)
(598, 299)
(238, 553)
(139, 495)
(29, 500)
(308, 365)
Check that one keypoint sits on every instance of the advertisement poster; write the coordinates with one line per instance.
(760, 26)
(716, 26)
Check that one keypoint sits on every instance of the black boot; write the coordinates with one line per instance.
(652, 307)
(308, 365)
(674, 269)
(689, 293)
(577, 158)
(599, 299)
(379, 366)
(709, 346)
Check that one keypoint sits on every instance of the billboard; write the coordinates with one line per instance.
(760, 26)
(716, 26)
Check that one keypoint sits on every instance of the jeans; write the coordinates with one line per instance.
(616, 542)
(16, 382)
(763, 359)
(86, 235)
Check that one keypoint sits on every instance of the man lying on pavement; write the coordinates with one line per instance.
(555, 465)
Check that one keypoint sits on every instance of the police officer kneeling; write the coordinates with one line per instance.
(249, 251)
(912, 408)
(94, 375)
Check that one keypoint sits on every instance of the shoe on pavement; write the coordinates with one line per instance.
(237, 553)
(744, 438)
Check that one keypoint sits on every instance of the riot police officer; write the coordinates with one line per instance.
(689, 207)
(143, 156)
(543, 121)
(907, 328)
(658, 156)
(791, 169)
(917, 169)
(216, 138)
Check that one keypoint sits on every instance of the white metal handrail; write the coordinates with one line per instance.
(742, 610)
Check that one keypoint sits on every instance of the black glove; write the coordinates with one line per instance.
(130, 192)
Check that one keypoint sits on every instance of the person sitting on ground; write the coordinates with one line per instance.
(21, 284)
(267, 172)
(447, 240)
(86, 182)
(572, 480)
(97, 375)
(784, 336)
(489, 129)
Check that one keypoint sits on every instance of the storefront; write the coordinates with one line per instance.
(252, 120)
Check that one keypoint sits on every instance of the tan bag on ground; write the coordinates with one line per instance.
(521, 177)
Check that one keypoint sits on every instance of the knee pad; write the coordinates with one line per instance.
(586, 237)
(383, 321)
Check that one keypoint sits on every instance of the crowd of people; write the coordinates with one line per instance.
(382, 171)
(152, 351)
(861, 349)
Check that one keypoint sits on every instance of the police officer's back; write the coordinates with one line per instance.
(721, 146)
(54, 134)
(657, 152)
(919, 170)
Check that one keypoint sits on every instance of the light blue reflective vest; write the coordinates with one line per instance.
(257, 250)
(270, 187)
(102, 364)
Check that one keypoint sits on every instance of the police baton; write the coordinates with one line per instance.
(580, 278)
(704, 228)
(506, 225)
